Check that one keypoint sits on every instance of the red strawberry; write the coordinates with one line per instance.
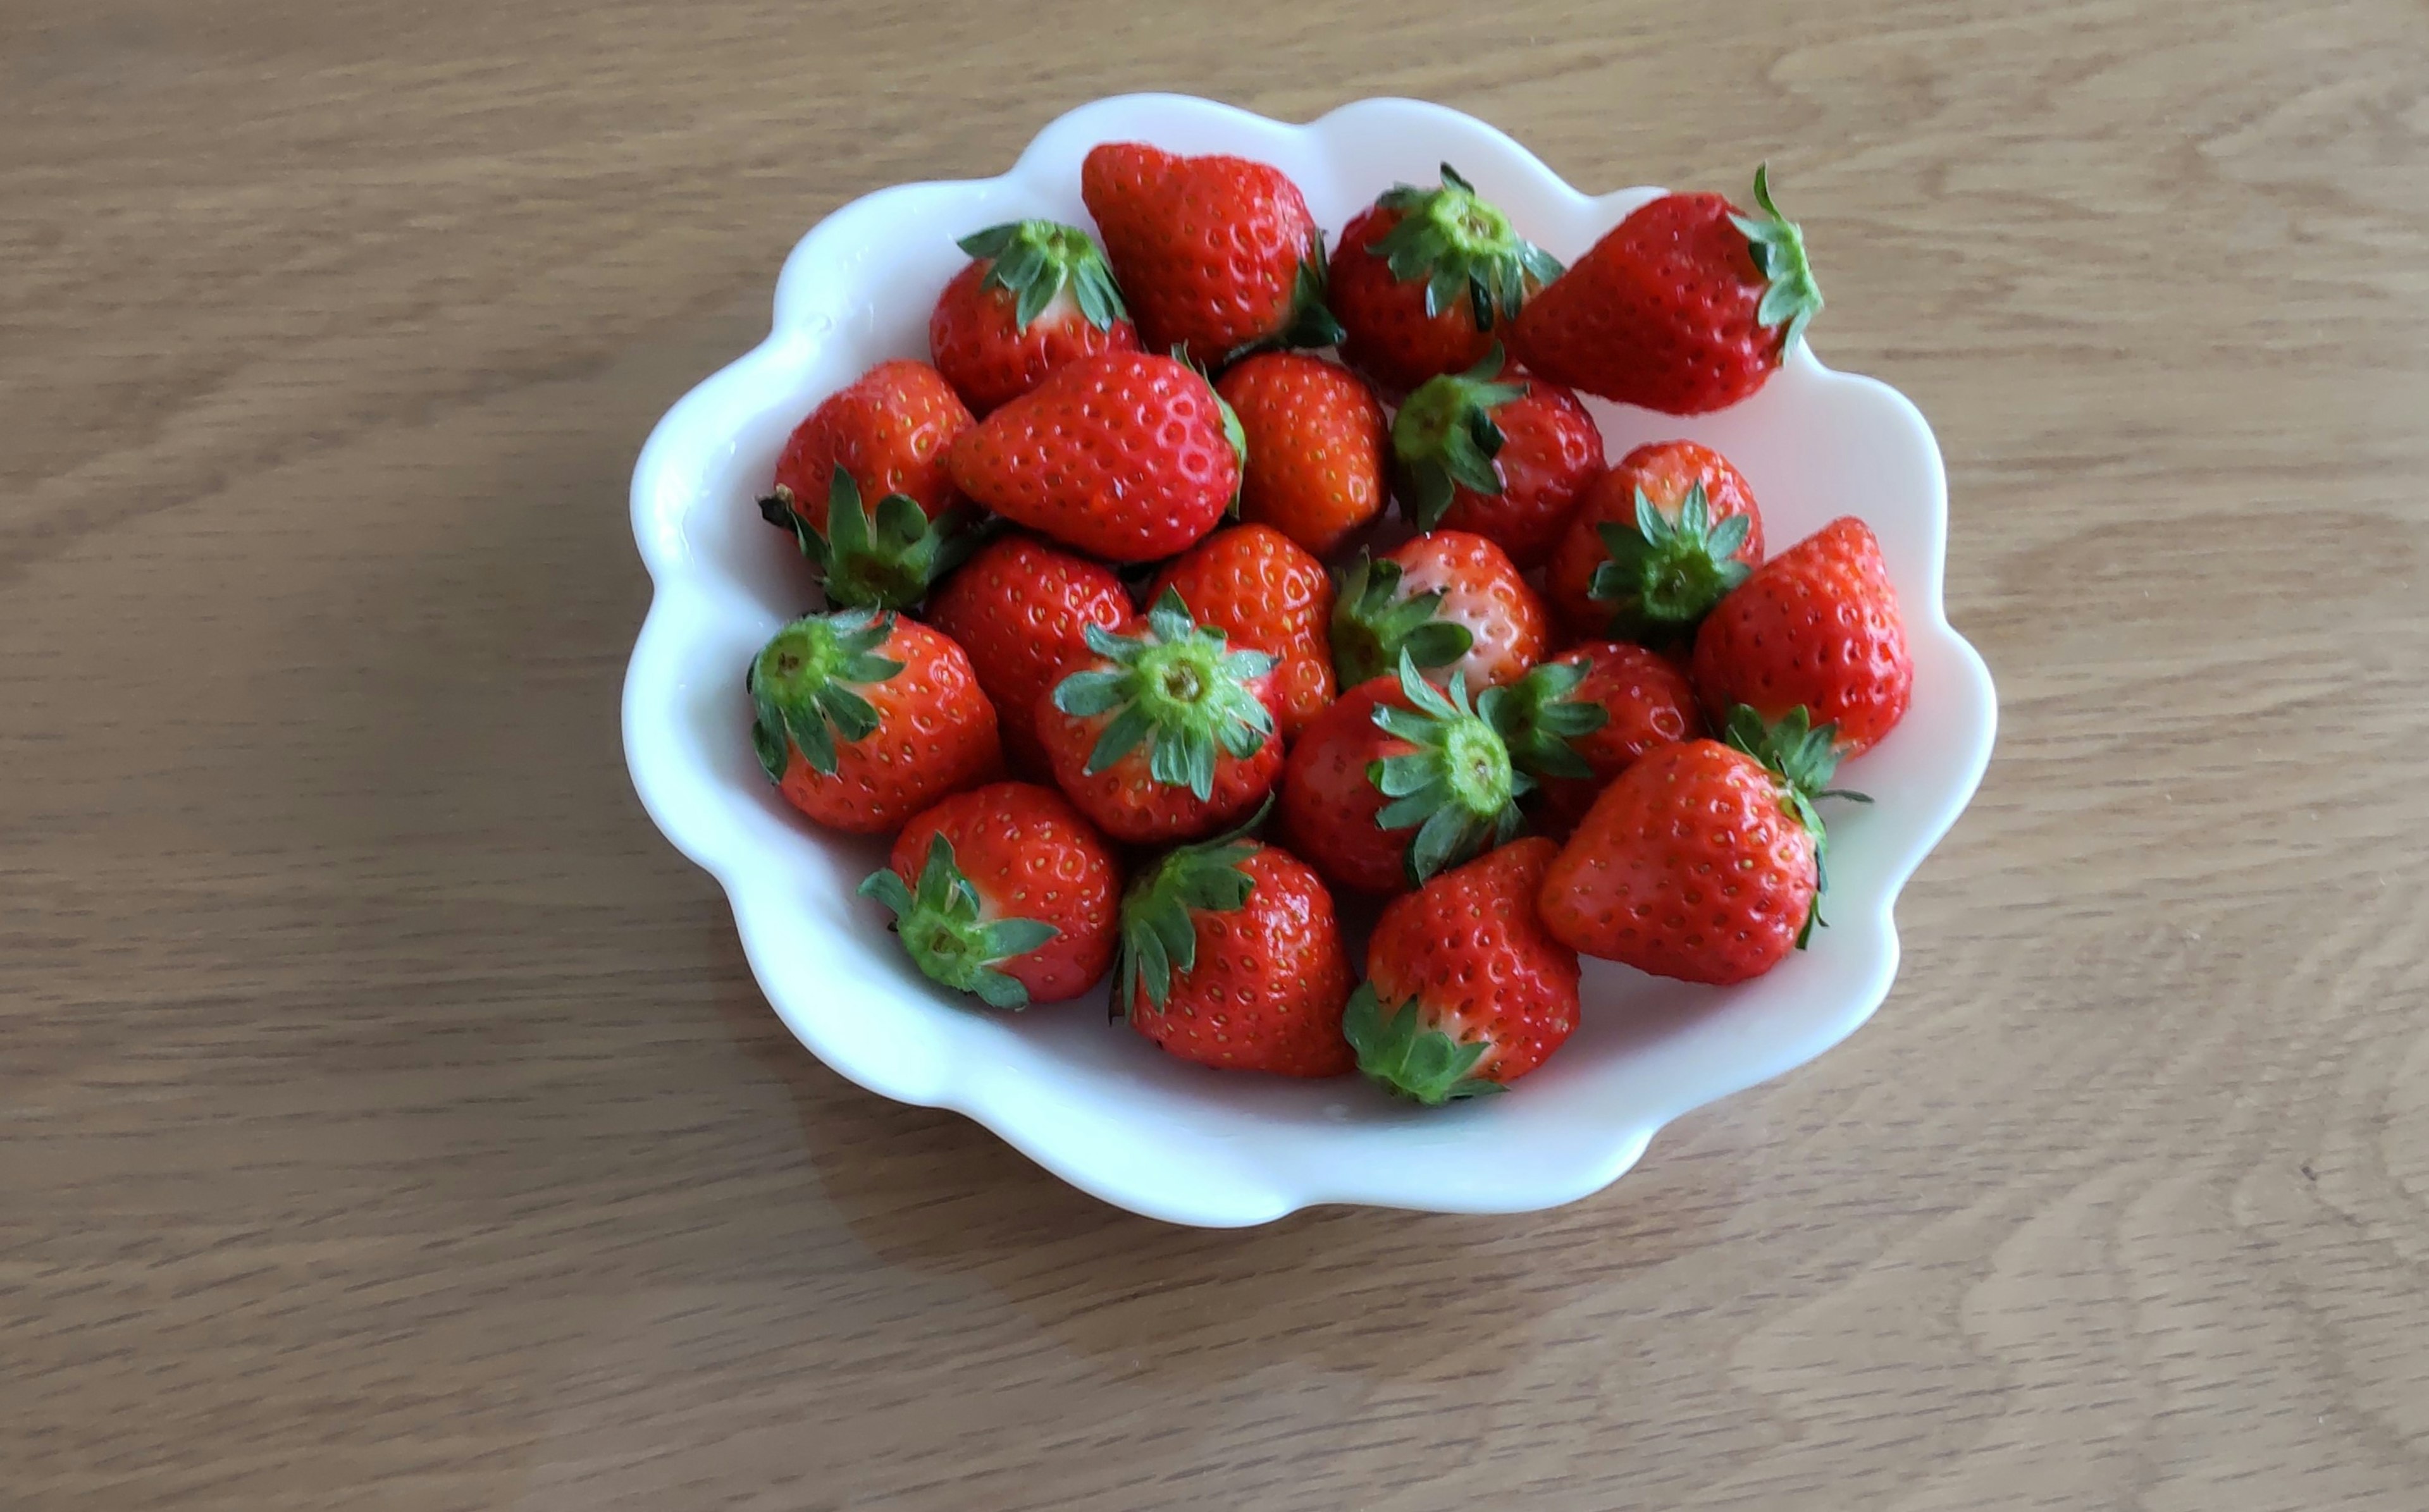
(1164, 731)
(1685, 307)
(1703, 861)
(865, 718)
(1017, 608)
(1398, 780)
(1218, 253)
(1659, 538)
(1585, 715)
(1453, 602)
(1815, 627)
(1466, 992)
(1423, 276)
(874, 450)
(1315, 436)
(1034, 296)
(1495, 453)
(1004, 891)
(1230, 957)
(1125, 455)
(1263, 592)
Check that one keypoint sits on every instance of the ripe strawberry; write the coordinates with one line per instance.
(1815, 627)
(1465, 990)
(1164, 731)
(1263, 593)
(1006, 892)
(1685, 307)
(865, 719)
(1125, 455)
(1452, 601)
(1218, 253)
(1703, 861)
(1495, 453)
(1423, 276)
(1579, 720)
(1034, 296)
(1315, 436)
(1657, 541)
(1398, 780)
(882, 437)
(1017, 608)
(1230, 957)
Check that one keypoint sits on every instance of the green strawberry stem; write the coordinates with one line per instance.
(1544, 716)
(1178, 689)
(1801, 756)
(1458, 789)
(1662, 576)
(1460, 245)
(1778, 245)
(886, 562)
(942, 930)
(1158, 936)
(1036, 261)
(803, 687)
(1399, 1053)
(1374, 624)
(1445, 438)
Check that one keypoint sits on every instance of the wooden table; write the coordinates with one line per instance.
(387, 1119)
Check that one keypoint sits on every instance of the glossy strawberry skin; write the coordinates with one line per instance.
(935, 735)
(1017, 608)
(1028, 854)
(1267, 987)
(1650, 703)
(1551, 456)
(891, 429)
(1124, 799)
(1817, 625)
(990, 359)
(1390, 337)
(1468, 948)
(1690, 865)
(1328, 804)
(1316, 446)
(1664, 470)
(1483, 591)
(1258, 587)
(1207, 250)
(1122, 455)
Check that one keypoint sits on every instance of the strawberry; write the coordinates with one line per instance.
(1124, 455)
(1465, 990)
(1215, 253)
(865, 719)
(1685, 307)
(1164, 731)
(1495, 453)
(1581, 717)
(1452, 601)
(1401, 780)
(1006, 892)
(1315, 434)
(1231, 956)
(1017, 607)
(882, 437)
(1816, 627)
(1657, 542)
(1703, 861)
(1423, 276)
(1264, 593)
(1034, 296)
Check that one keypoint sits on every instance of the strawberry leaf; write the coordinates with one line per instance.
(804, 682)
(1401, 1052)
(944, 928)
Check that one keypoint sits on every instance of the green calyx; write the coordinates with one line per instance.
(1778, 245)
(886, 561)
(1180, 690)
(940, 927)
(1801, 756)
(1461, 247)
(804, 685)
(1544, 714)
(1036, 261)
(1157, 935)
(1458, 788)
(1375, 624)
(1233, 431)
(1445, 438)
(1399, 1053)
(1662, 576)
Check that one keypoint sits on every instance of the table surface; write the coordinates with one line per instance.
(390, 1119)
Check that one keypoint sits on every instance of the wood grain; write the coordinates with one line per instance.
(390, 1121)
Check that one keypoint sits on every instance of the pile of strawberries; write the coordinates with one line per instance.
(1095, 616)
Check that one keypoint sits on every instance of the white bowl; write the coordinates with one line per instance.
(1091, 1102)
